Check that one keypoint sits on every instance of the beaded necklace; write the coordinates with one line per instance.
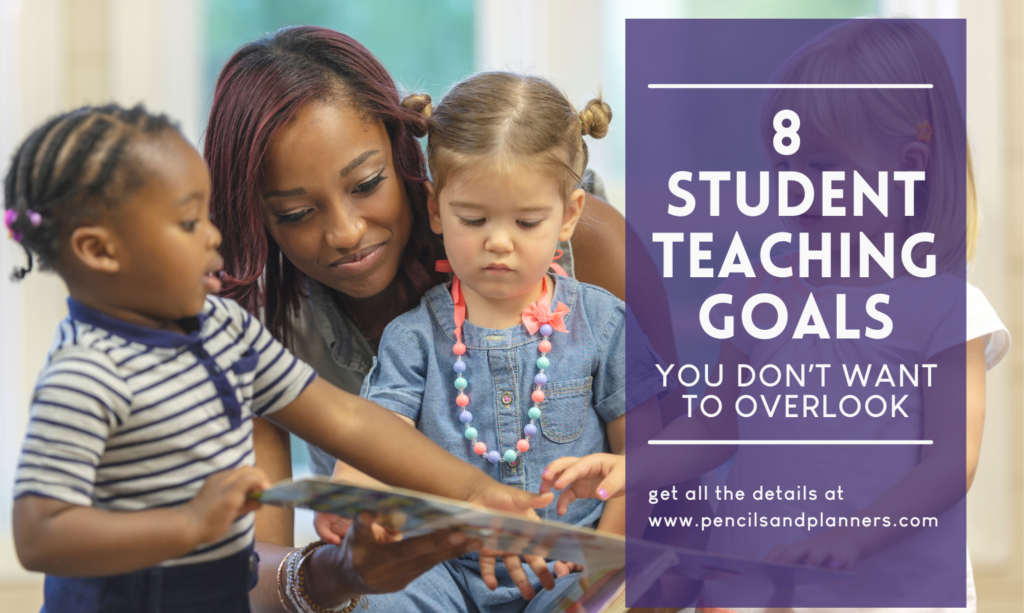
(538, 317)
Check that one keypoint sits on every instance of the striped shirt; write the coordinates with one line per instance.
(128, 418)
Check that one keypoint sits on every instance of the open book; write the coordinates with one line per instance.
(604, 555)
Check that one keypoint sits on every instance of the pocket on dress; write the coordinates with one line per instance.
(566, 408)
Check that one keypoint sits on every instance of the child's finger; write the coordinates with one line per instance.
(524, 500)
(514, 566)
(322, 525)
(488, 560)
(383, 535)
(613, 485)
(564, 568)
(571, 474)
(340, 526)
(540, 568)
(594, 465)
(567, 496)
(363, 526)
(247, 480)
(553, 469)
(249, 506)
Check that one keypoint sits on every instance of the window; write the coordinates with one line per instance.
(427, 46)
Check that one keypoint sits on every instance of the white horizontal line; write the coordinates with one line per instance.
(782, 442)
(790, 86)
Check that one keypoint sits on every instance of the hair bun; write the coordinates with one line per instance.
(422, 106)
(595, 118)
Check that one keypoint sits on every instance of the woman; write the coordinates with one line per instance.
(318, 185)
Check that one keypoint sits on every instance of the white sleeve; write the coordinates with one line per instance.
(78, 401)
(982, 321)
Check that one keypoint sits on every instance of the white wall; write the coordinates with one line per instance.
(989, 512)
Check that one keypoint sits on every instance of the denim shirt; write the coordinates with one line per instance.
(330, 342)
(413, 376)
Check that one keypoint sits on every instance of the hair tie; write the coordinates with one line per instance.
(34, 218)
(10, 218)
(924, 132)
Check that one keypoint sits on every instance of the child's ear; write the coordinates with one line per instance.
(915, 157)
(433, 209)
(94, 247)
(573, 210)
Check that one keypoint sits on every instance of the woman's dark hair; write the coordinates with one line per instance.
(71, 170)
(259, 90)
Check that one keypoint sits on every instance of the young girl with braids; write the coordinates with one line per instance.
(132, 490)
(509, 366)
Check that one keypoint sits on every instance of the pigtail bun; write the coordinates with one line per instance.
(422, 106)
(595, 118)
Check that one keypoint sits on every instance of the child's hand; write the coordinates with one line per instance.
(494, 495)
(564, 568)
(331, 528)
(598, 475)
(223, 499)
(836, 549)
(504, 498)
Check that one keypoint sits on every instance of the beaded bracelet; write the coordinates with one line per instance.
(281, 581)
(289, 586)
(297, 590)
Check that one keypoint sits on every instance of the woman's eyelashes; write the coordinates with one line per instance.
(292, 217)
(367, 187)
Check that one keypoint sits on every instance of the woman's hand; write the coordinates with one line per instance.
(372, 560)
(836, 549)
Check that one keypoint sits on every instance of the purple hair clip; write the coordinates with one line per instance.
(11, 216)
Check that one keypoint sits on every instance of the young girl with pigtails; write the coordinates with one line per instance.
(133, 485)
(510, 365)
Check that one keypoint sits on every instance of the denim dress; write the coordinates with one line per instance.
(329, 341)
(413, 376)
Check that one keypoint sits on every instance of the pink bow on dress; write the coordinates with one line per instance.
(539, 313)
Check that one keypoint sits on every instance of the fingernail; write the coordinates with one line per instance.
(457, 538)
(603, 493)
(544, 474)
(836, 564)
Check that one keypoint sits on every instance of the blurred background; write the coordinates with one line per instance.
(60, 54)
